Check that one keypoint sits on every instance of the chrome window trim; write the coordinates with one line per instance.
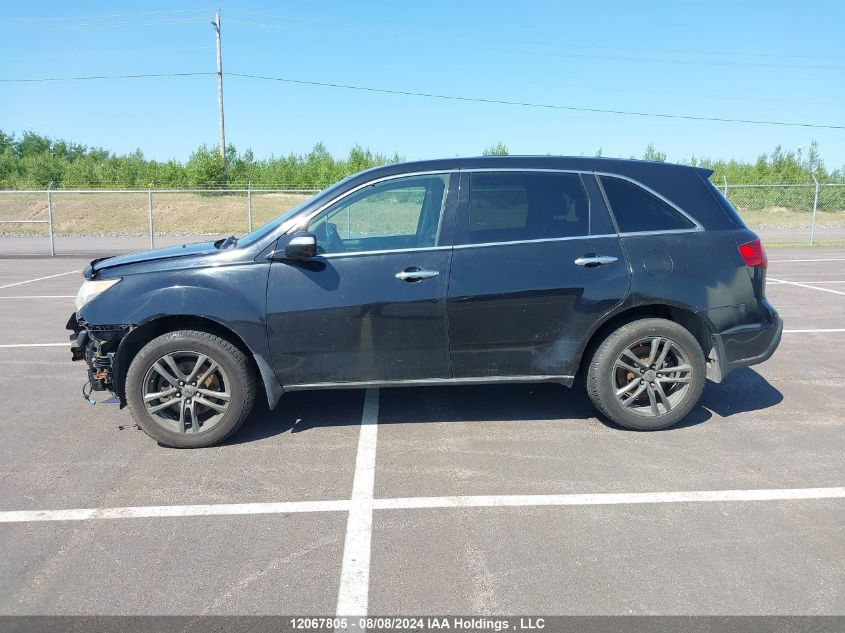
(662, 232)
(443, 209)
(464, 246)
(696, 224)
(539, 240)
(385, 252)
(540, 169)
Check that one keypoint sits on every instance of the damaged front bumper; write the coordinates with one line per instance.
(97, 345)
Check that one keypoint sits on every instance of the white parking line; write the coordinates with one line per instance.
(353, 594)
(418, 503)
(41, 297)
(808, 281)
(813, 331)
(10, 345)
(825, 259)
(627, 498)
(795, 283)
(809, 277)
(29, 281)
(147, 512)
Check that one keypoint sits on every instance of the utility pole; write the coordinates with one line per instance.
(216, 24)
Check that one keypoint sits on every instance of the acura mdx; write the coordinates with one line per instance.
(636, 279)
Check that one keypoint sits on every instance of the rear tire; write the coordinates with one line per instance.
(647, 375)
(190, 389)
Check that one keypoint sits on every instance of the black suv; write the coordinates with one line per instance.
(637, 277)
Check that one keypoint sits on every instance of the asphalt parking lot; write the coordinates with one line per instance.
(467, 500)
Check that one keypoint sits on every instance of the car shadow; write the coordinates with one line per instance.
(743, 391)
(298, 412)
(301, 410)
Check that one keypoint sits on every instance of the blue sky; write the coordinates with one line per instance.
(750, 60)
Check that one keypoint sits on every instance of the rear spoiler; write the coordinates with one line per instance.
(704, 172)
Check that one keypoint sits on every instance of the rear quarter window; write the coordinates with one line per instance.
(727, 207)
(637, 210)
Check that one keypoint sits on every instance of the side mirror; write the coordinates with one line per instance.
(301, 246)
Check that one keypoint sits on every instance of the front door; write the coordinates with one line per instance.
(371, 306)
(535, 266)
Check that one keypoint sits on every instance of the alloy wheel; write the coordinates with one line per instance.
(651, 376)
(186, 392)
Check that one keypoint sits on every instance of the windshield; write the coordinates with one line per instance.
(272, 225)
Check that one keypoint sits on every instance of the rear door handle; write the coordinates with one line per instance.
(415, 274)
(595, 260)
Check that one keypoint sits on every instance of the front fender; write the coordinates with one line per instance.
(232, 297)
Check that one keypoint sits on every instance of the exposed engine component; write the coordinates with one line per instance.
(96, 345)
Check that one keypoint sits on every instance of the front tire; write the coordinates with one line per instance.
(647, 375)
(190, 389)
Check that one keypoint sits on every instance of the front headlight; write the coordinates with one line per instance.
(90, 289)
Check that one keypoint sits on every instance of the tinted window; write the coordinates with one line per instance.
(727, 207)
(510, 206)
(394, 214)
(636, 209)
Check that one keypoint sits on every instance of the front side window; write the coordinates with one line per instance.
(516, 206)
(638, 210)
(393, 214)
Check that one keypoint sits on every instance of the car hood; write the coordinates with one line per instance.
(171, 252)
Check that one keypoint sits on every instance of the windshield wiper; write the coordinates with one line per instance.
(224, 244)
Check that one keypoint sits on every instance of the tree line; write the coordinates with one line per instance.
(34, 161)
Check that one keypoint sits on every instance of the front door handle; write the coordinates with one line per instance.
(415, 274)
(594, 260)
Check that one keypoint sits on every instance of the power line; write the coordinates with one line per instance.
(95, 25)
(528, 104)
(110, 52)
(665, 50)
(677, 51)
(521, 51)
(111, 15)
(286, 18)
(431, 95)
(95, 77)
(654, 60)
(533, 42)
(198, 48)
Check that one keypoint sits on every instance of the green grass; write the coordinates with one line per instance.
(806, 244)
(783, 217)
(127, 213)
(191, 213)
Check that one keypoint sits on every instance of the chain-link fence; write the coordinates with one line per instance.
(136, 219)
(792, 214)
(139, 218)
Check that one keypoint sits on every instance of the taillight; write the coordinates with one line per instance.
(753, 254)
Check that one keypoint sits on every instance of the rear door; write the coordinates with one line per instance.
(536, 264)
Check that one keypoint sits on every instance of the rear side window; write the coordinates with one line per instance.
(727, 207)
(514, 206)
(635, 209)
